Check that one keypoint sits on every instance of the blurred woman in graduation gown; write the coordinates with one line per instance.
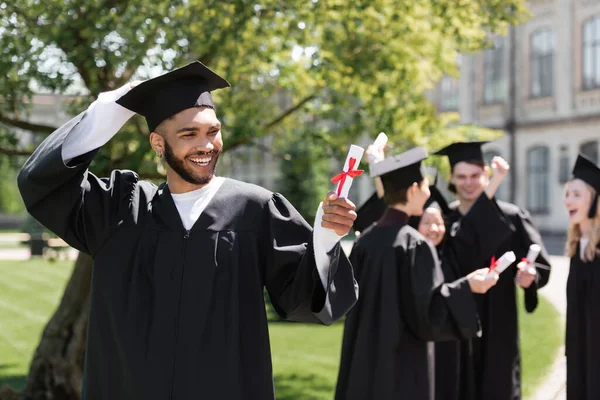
(583, 285)
(404, 301)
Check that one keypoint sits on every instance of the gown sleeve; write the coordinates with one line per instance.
(291, 274)
(434, 310)
(68, 199)
(528, 235)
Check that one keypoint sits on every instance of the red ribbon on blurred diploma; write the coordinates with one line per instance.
(352, 173)
(493, 264)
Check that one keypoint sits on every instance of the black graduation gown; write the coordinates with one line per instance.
(454, 379)
(179, 314)
(583, 330)
(403, 304)
(492, 362)
(369, 212)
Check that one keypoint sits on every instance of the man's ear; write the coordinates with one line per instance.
(410, 193)
(158, 143)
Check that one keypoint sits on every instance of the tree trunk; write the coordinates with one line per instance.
(56, 370)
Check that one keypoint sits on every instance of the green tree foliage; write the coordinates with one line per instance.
(305, 173)
(363, 64)
(9, 196)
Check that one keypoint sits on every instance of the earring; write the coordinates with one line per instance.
(159, 154)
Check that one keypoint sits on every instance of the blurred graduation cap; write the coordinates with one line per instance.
(397, 172)
(372, 209)
(400, 171)
(369, 212)
(164, 96)
(463, 152)
(435, 200)
(586, 170)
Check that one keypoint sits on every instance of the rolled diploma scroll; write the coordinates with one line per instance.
(355, 152)
(381, 140)
(533, 253)
(325, 239)
(379, 144)
(504, 262)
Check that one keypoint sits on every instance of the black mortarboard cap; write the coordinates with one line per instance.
(164, 96)
(369, 212)
(400, 171)
(586, 170)
(372, 209)
(437, 198)
(463, 152)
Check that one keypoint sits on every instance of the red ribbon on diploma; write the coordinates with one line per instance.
(352, 173)
(524, 259)
(493, 264)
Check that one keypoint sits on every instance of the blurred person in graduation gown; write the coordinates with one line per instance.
(454, 375)
(177, 308)
(404, 301)
(493, 360)
(583, 284)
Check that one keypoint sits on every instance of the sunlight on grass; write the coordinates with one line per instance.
(305, 357)
(29, 294)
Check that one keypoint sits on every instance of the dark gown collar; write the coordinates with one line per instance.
(392, 216)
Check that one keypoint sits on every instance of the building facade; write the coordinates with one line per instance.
(541, 85)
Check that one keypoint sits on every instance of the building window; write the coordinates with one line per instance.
(538, 191)
(591, 54)
(449, 93)
(494, 88)
(590, 150)
(487, 157)
(542, 63)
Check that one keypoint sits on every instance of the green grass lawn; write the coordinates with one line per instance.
(305, 357)
(542, 335)
(29, 293)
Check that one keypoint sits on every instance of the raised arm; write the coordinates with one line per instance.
(59, 190)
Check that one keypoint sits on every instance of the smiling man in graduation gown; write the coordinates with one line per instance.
(493, 361)
(405, 301)
(177, 308)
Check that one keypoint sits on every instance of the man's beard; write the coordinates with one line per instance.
(185, 172)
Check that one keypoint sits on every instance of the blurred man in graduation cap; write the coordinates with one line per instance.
(405, 300)
(583, 285)
(177, 306)
(495, 357)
